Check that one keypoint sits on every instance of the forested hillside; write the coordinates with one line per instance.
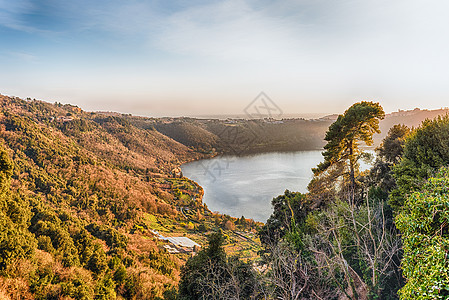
(80, 195)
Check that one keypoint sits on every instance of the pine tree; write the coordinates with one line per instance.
(357, 124)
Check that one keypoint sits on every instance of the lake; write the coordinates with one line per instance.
(245, 185)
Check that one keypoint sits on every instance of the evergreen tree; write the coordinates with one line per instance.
(357, 124)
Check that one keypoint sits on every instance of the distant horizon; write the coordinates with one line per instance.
(305, 115)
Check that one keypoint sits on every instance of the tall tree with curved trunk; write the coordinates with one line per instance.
(357, 124)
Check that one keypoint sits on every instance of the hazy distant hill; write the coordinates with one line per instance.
(411, 118)
(241, 136)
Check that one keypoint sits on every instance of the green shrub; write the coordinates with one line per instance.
(426, 150)
(424, 224)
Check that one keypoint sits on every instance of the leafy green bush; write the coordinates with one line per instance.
(424, 223)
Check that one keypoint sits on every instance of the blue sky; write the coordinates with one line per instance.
(176, 58)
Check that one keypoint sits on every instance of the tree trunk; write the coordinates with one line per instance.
(351, 168)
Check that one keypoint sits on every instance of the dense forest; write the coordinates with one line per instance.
(82, 195)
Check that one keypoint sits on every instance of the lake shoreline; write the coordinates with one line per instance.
(216, 169)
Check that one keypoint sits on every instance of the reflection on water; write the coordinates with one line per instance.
(245, 185)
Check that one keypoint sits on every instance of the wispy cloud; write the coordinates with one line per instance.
(229, 30)
(24, 57)
(11, 14)
(17, 15)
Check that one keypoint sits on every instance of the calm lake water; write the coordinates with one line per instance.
(245, 185)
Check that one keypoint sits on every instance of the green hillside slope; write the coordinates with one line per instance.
(81, 196)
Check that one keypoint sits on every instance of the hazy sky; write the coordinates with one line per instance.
(199, 57)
